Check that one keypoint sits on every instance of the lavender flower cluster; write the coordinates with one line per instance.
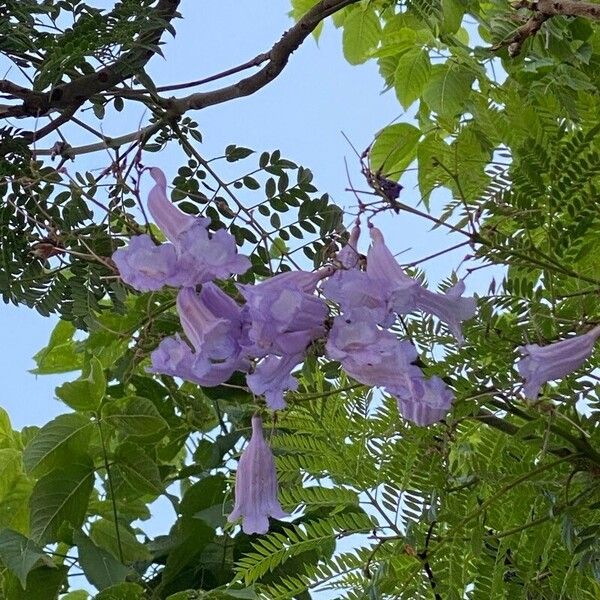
(267, 337)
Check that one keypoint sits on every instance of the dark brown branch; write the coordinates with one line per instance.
(70, 96)
(542, 11)
(278, 58)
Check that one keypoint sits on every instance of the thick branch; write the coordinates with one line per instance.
(278, 58)
(70, 96)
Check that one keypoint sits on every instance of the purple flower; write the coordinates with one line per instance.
(396, 285)
(368, 354)
(256, 485)
(554, 361)
(451, 307)
(406, 294)
(214, 335)
(204, 257)
(354, 290)
(144, 265)
(272, 377)
(348, 257)
(284, 315)
(168, 217)
(423, 401)
(173, 357)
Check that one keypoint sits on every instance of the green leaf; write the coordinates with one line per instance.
(394, 148)
(103, 533)
(137, 417)
(396, 43)
(60, 355)
(362, 32)
(57, 442)
(448, 89)
(20, 554)
(204, 501)
(122, 591)
(135, 470)
(60, 497)
(412, 74)
(15, 489)
(85, 393)
(76, 595)
(7, 435)
(453, 12)
(43, 583)
(101, 568)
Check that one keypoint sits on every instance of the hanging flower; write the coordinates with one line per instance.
(283, 313)
(406, 294)
(399, 289)
(256, 485)
(368, 354)
(144, 265)
(196, 256)
(450, 308)
(272, 377)
(171, 221)
(423, 401)
(541, 364)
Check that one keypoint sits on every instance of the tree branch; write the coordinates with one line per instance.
(278, 58)
(70, 96)
(542, 11)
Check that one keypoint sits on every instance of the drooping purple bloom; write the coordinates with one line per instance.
(204, 257)
(406, 294)
(256, 485)
(348, 257)
(214, 335)
(272, 377)
(541, 364)
(167, 216)
(396, 285)
(451, 307)
(423, 401)
(368, 354)
(173, 357)
(144, 265)
(284, 315)
(353, 289)
(196, 256)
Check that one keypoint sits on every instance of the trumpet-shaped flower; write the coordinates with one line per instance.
(272, 377)
(368, 354)
(400, 289)
(283, 314)
(204, 257)
(406, 294)
(422, 401)
(214, 335)
(144, 265)
(541, 364)
(451, 307)
(173, 357)
(167, 216)
(348, 257)
(256, 485)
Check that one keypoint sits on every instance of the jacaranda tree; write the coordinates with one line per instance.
(318, 415)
